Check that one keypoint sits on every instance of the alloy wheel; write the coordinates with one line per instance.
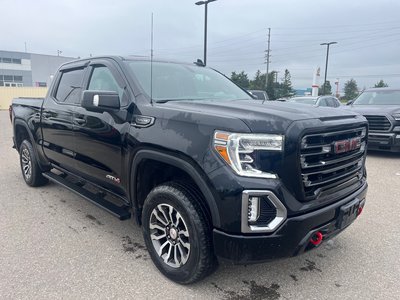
(169, 235)
(26, 163)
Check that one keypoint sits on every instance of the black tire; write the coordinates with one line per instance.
(31, 171)
(200, 261)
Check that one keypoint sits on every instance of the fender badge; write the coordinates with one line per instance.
(113, 178)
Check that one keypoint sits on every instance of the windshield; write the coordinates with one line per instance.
(304, 100)
(173, 82)
(378, 98)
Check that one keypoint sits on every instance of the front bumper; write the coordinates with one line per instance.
(384, 141)
(291, 239)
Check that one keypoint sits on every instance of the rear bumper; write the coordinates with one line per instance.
(291, 239)
(384, 141)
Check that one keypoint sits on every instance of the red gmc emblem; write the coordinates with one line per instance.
(347, 145)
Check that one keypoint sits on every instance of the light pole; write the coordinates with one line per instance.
(326, 63)
(205, 3)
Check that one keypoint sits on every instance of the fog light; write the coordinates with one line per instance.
(254, 211)
(396, 129)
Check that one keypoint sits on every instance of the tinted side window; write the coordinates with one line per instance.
(70, 86)
(103, 80)
(322, 102)
(331, 102)
(336, 102)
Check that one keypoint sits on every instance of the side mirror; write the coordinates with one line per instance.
(350, 102)
(100, 100)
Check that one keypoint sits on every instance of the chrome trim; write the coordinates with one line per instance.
(308, 183)
(335, 132)
(305, 146)
(331, 170)
(281, 212)
(321, 163)
(151, 121)
(372, 133)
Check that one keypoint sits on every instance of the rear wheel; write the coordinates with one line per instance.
(177, 233)
(29, 165)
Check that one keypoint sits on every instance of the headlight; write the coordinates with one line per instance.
(396, 116)
(237, 148)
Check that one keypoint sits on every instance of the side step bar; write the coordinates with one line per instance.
(121, 212)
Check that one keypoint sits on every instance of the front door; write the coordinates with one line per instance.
(99, 135)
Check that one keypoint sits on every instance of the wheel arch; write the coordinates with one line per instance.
(194, 172)
(21, 132)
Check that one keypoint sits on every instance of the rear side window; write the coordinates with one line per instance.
(70, 86)
(323, 102)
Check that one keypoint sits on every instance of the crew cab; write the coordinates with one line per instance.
(381, 107)
(206, 171)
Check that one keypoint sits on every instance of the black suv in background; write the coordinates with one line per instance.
(381, 107)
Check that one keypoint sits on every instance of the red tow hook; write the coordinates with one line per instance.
(316, 239)
(359, 211)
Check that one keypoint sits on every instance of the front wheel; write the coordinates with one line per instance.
(177, 233)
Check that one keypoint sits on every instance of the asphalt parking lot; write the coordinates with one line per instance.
(54, 244)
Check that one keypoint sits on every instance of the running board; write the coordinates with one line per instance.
(121, 212)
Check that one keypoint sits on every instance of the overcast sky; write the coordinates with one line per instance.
(367, 32)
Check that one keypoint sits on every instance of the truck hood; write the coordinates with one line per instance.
(374, 109)
(271, 116)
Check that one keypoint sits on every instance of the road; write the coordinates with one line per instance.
(54, 245)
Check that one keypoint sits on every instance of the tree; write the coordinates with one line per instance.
(258, 83)
(350, 89)
(381, 84)
(241, 79)
(328, 89)
(286, 87)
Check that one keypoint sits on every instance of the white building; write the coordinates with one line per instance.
(19, 69)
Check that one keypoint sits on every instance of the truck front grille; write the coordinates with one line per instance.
(332, 161)
(378, 123)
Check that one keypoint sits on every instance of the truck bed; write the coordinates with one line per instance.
(27, 101)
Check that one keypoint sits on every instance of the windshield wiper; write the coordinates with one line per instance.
(183, 99)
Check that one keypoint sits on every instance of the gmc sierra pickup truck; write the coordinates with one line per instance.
(381, 107)
(207, 172)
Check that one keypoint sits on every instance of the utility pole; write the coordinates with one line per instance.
(276, 76)
(326, 63)
(267, 56)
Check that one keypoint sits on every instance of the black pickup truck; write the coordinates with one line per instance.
(204, 169)
(381, 107)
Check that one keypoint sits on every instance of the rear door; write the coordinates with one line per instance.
(99, 136)
(57, 115)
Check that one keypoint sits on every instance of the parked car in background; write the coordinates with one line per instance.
(261, 95)
(381, 107)
(328, 101)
